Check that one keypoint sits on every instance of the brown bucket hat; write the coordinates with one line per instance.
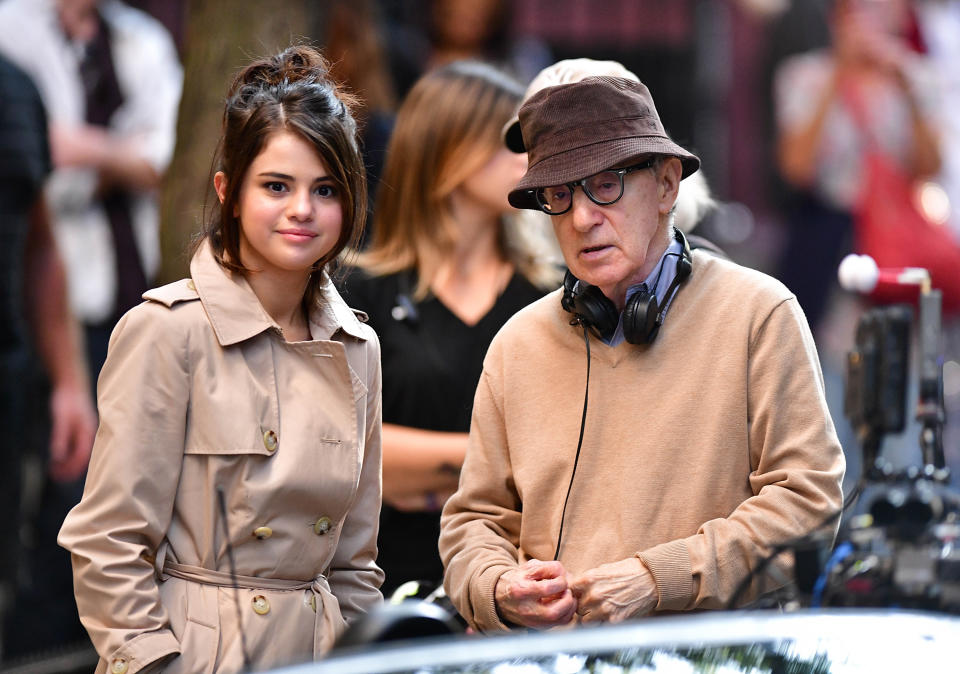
(575, 130)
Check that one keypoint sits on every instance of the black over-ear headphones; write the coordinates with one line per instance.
(643, 313)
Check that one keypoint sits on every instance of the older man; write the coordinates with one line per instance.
(642, 437)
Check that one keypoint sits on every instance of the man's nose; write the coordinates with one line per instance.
(584, 213)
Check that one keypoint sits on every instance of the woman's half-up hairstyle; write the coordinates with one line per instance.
(293, 92)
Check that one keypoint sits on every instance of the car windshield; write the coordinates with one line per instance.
(806, 642)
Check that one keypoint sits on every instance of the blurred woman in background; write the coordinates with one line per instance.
(446, 267)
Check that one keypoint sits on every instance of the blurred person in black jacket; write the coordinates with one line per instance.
(34, 319)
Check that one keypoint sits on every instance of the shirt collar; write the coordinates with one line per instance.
(661, 276)
(334, 314)
(236, 314)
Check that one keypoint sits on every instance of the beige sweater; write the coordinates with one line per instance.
(700, 451)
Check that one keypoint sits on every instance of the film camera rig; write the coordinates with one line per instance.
(904, 549)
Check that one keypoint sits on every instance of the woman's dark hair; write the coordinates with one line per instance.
(291, 92)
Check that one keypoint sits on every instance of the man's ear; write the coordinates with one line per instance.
(669, 183)
(220, 185)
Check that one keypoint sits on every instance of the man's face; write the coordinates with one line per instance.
(78, 18)
(616, 246)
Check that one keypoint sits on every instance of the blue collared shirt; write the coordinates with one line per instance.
(662, 275)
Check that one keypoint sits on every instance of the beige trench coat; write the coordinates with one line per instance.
(200, 392)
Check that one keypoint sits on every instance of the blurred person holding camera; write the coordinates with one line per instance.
(869, 92)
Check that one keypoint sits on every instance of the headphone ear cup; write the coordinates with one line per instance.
(594, 309)
(640, 318)
(589, 305)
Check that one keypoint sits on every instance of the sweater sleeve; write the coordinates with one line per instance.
(355, 578)
(797, 468)
(131, 485)
(480, 525)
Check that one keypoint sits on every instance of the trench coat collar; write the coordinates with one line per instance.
(236, 314)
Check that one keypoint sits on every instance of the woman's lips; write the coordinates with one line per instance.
(297, 234)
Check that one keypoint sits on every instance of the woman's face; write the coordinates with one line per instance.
(78, 18)
(289, 207)
(465, 24)
(491, 183)
(881, 17)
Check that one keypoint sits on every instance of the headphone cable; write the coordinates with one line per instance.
(663, 263)
(576, 458)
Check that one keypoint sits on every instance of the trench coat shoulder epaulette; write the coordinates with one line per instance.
(179, 291)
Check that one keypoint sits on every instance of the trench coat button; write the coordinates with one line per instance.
(260, 605)
(191, 285)
(263, 532)
(270, 441)
(322, 525)
(118, 666)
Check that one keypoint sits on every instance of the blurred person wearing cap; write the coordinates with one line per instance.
(643, 437)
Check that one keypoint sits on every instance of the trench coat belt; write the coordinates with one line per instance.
(328, 623)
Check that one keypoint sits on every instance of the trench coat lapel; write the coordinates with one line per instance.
(237, 315)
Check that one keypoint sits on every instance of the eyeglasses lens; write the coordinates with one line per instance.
(555, 199)
(602, 188)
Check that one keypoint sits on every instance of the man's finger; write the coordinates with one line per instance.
(538, 570)
(591, 617)
(578, 584)
(559, 611)
(549, 587)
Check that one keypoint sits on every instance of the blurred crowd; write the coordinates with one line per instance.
(782, 100)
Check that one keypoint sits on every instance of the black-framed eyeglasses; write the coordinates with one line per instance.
(602, 188)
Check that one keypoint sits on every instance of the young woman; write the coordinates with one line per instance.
(229, 519)
(446, 268)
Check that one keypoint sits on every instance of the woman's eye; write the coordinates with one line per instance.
(326, 191)
(275, 187)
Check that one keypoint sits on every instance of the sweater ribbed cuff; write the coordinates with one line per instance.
(486, 618)
(670, 565)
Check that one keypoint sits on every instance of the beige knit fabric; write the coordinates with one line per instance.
(700, 450)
